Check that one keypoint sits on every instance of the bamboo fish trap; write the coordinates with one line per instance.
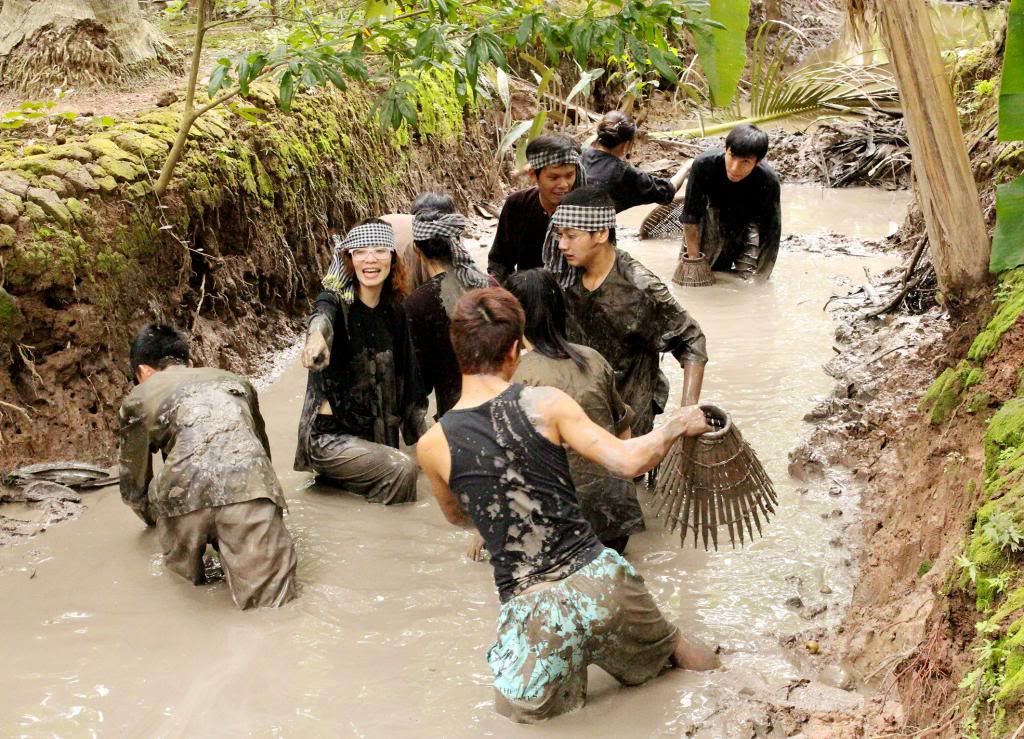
(714, 480)
(693, 272)
(663, 222)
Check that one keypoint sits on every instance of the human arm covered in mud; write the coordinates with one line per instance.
(316, 354)
(135, 462)
(683, 337)
(695, 204)
(259, 427)
(769, 230)
(435, 460)
(562, 421)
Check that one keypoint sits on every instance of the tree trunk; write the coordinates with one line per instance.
(78, 43)
(957, 236)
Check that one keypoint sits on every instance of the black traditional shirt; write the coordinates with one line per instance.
(208, 426)
(372, 381)
(624, 183)
(631, 319)
(519, 240)
(429, 323)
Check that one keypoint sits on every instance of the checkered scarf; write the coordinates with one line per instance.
(582, 217)
(338, 279)
(450, 226)
(552, 158)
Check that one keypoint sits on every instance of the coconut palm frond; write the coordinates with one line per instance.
(776, 93)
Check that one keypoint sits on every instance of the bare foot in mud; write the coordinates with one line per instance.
(693, 654)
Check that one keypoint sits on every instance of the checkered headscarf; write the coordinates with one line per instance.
(450, 226)
(338, 279)
(552, 157)
(583, 217)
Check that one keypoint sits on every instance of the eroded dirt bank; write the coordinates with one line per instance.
(231, 252)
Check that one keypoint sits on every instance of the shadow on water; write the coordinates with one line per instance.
(389, 635)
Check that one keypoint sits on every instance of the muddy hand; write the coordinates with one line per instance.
(690, 421)
(315, 354)
(476, 551)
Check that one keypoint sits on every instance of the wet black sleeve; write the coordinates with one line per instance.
(135, 462)
(257, 418)
(679, 333)
(641, 188)
(503, 256)
(769, 229)
(327, 305)
(695, 203)
(412, 396)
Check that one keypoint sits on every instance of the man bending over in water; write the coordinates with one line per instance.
(496, 461)
(217, 485)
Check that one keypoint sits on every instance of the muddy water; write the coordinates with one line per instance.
(389, 634)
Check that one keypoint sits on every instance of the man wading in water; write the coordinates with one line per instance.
(622, 309)
(732, 213)
(496, 461)
(438, 239)
(364, 384)
(523, 233)
(217, 485)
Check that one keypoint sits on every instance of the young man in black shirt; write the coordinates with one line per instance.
(732, 213)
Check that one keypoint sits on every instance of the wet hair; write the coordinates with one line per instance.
(440, 201)
(436, 248)
(591, 197)
(396, 288)
(747, 140)
(158, 345)
(615, 128)
(485, 324)
(543, 303)
(555, 142)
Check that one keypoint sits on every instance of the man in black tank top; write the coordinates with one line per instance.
(496, 462)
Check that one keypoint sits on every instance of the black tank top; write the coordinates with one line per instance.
(515, 486)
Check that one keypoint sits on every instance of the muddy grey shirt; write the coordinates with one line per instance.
(631, 319)
(208, 426)
(515, 486)
(609, 503)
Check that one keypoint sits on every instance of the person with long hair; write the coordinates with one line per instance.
(609, 503)
(608, 168)
(364, 384)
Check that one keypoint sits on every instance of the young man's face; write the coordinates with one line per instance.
(581, 247)
(372, 265)
(555, 182)
(738, 168)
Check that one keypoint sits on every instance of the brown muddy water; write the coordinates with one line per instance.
(388, 636)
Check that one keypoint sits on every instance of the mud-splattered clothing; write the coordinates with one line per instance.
(519, 240)
(372, 384)
(430, 308)
(631, 319)
(626, 185)
(516, 487)
(415, 268)
(255, 550)
(208, 425)
(608, 503)
(745, 223)
(601, 614)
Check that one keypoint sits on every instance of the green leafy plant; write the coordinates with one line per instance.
(40, 113)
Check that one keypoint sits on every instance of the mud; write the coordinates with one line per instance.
(389, 633)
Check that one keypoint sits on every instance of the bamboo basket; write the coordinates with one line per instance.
(663, 222)
(714, 481)
(693, 272)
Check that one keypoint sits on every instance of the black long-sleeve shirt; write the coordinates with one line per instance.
(519, 240)
(625, 184)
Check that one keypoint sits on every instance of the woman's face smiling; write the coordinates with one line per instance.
(372, 264)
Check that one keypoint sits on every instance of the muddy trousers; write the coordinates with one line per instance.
(255, 548)
(377, 472)
(724, 250)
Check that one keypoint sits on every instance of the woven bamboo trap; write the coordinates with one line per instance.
(663, 222)
(693, 272)
(714, 481)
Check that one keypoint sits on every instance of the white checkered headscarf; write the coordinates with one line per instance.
(582, 217)
(450, 226)
(338, 279)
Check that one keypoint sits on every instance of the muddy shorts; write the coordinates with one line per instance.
(375, 471)
(255, 549)
(601, 614)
